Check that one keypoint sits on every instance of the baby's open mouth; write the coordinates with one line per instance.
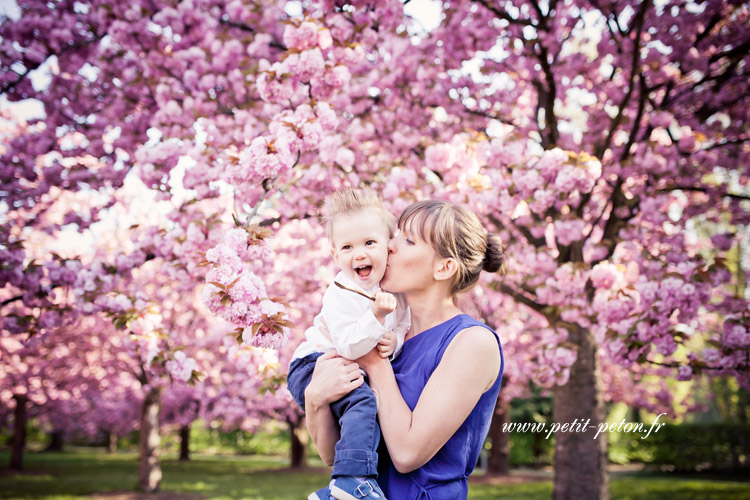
(363, 271)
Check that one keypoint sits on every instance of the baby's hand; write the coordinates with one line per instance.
(384, 304)
(387, 344)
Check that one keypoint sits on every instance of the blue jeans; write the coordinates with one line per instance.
(356, 450)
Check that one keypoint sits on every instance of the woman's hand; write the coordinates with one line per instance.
(333, 378)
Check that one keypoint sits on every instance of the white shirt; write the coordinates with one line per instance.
(351, 323)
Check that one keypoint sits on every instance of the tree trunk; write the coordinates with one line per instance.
(149, 470)
(498, 462)
(298, 436)
(112, 443)
(185, 442)
(581, 460)
(19, 432)
(55, 441)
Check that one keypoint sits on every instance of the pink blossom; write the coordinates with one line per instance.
(527, 181)
(661, 119)
(326, 115)
(604, 275)
(236, 239)
(570, 178)
(261, 160)
(568, 231)
(345, 157)
(301, 37)
(306, 65)
(712, 356)
(723, 241)
(181, 367)
(684, 373)
(550, 163)
(274, 86)
(736, 335)
(648, 290)
(324, 38)
(338, 76)
(439, 157)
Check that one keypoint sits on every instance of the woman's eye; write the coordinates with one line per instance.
(410, 242)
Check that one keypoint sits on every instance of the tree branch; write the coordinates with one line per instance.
(10, 300)
(486, 114)
(246, 27)
(638, 22)
(701, 189)
(504, 15)
(549, 95)
(7, 86)
(530, 238)
(523, 299)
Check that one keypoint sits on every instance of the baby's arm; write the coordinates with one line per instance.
(403, 324)
(352, 324)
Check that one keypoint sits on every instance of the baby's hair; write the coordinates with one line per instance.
(349, 201)
(456, 232)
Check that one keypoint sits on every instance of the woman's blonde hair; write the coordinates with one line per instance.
(456, 232)
(348, 201)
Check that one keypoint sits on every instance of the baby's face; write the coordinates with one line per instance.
(360, 247)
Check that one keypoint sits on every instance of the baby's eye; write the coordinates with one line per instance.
(346, 247)
(370, 242)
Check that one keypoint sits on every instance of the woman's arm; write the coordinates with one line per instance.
(469, 367)
(333, 377)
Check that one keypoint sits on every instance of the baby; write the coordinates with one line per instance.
(358, 228)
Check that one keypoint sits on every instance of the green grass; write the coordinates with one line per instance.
(80, 473)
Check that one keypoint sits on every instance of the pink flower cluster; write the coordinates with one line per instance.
(238, 295)
(553, 366)
(306, 36)
(568, 231)
(736, 335)
(181, 367)
(263, 159)
(312, 66)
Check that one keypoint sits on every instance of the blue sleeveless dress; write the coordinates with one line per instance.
(445, 476)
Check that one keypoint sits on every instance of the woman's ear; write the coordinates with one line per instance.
(445, 269)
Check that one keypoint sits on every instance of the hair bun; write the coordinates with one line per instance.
(494, 256)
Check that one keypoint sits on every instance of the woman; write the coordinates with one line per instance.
(435, 401)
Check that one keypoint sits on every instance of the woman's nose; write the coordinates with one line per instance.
(392, 245)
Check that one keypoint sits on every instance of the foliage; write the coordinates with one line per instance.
(690, 447)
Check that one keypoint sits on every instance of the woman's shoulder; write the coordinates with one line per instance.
(478, 347)
(467, 322)
(477, 335)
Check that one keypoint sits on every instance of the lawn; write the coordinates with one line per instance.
(83, 473)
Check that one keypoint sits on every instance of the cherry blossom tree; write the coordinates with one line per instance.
(596, 139)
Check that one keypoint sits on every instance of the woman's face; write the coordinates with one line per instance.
(411, 263)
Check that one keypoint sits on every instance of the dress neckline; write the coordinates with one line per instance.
(449, 320)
